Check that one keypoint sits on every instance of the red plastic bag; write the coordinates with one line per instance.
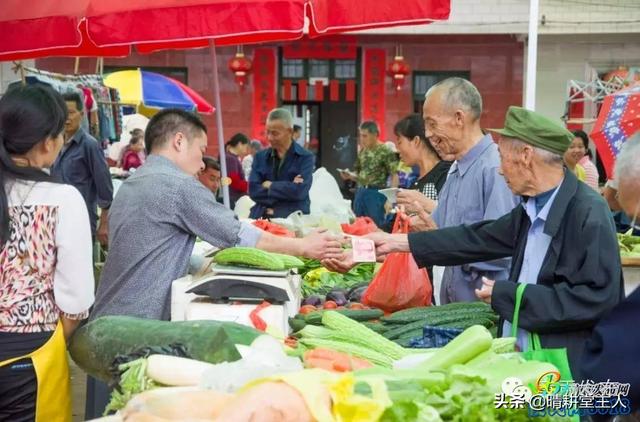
(360, 227)
(399, 284)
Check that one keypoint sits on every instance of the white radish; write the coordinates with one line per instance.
(176, 371)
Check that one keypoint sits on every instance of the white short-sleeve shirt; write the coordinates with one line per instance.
(46, 266)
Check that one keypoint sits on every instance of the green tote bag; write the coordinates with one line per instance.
(557, 357)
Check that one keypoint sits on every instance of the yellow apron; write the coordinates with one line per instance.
(53, 399)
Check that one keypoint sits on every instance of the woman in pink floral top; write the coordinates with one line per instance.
(46, 272)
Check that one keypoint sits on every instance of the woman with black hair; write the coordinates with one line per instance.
(416, 150)
(236, 148)
(590, 169)
(46, 273)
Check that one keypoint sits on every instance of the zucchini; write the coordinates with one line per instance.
(359, 315)
(95, 345)
(249, 257)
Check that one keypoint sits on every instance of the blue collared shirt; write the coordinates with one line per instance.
(81, 163)
(474, 191)
(534, 252)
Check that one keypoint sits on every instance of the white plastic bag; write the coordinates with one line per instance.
(326, 198)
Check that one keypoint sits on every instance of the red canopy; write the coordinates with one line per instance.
(108, 28)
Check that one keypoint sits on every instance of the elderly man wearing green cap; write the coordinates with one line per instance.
(561, 239)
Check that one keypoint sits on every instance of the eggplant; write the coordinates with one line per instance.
(355, 294)
(314, 300)
(339, 296)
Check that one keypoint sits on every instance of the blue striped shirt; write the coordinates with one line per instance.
(474, 191)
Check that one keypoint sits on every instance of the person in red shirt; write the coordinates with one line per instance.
(131, 158)
(236, 148)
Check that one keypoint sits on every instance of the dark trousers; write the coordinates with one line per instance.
(18, 391)
(369, 202)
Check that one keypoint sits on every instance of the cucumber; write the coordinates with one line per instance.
(448, 317)
(395, 333)
(95, 345)
(297, 324)
(415, 314)
(466, 323)
(375, 326)
(450, 320)
(410, 335)
(406, 339)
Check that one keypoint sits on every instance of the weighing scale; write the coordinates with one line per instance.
(227, 293)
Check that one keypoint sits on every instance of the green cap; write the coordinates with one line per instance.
(535, 129)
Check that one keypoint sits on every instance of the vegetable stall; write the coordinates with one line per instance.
(337, 358)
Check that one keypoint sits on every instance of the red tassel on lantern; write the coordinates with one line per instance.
(241, 67)
(398, 70)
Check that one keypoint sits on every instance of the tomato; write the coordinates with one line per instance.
(330, 304)
(305, 309)
(356, 305)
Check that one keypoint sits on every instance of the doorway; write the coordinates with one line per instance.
(322, 95)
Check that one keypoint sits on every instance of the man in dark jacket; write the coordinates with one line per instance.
(281, 175)
(613, 351)
(562, 241)
(81, 163)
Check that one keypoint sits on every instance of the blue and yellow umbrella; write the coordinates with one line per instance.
(150, 92)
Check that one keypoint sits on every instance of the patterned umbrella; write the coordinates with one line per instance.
(151, 92)
(619, 118)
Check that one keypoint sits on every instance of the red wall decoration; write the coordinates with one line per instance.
(264, 94)
(373, 81)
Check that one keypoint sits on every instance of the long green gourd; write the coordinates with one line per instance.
(249, 257)
(357, 331)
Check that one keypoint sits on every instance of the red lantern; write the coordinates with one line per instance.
(241, 67)
(398, 70)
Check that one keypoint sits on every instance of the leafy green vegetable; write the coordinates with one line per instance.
(629, 244)
(133, 380)
(455, 397)
(320, 281)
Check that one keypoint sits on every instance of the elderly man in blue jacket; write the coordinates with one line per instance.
(281, 175)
